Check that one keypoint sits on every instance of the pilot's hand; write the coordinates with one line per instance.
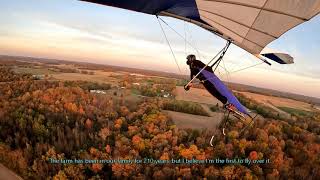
(187, 87)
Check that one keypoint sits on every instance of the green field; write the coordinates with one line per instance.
(296, 112)
(185, 107)
(38, 71)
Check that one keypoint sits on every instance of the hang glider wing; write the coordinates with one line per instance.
(250, 24)
(280, 58)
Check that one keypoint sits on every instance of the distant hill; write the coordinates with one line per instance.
(93, 66)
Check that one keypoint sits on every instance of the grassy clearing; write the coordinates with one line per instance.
(296, 112)
(214, 108)
(190, 121)
(98, 78)
(185, 107)
(201, 96)
(88, 85)
(135, 92)
(278, 101)
(181, 82)
(39, 71)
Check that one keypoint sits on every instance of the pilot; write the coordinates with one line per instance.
(195, 66)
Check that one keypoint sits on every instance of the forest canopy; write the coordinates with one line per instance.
(41, 120)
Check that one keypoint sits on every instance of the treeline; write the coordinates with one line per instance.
(309, 121)
(155, 90)
(263, 110)
(87, 85)
(6, 75)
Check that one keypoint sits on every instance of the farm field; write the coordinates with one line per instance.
(279, 101)
(196, 95)
(37, 71)
(185, 121)
(99, 77)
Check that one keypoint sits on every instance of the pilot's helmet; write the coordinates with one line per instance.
(190, 58)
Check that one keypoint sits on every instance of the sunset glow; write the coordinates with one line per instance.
(79, 31)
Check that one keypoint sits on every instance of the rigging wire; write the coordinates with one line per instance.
(174, 57)
(185, 42)
(194, 43)
(224, 67)
(185, 38)
(224, 50)
(228, 74)
(242, 69)
(217, 61)
(195, 48)
(226, 71)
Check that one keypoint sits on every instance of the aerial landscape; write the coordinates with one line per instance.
(160, 89)
(53, 109)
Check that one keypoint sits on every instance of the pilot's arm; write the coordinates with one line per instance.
(193, 72)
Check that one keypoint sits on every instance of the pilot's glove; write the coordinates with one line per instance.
(187, 87)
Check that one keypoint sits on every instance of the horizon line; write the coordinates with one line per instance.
(172, 73)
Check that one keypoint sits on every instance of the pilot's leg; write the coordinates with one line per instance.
(214, 92)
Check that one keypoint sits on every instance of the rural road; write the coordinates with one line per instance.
(6, 174)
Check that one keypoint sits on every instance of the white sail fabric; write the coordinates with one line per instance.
(252, 24)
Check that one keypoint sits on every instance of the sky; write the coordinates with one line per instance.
(80, 31)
